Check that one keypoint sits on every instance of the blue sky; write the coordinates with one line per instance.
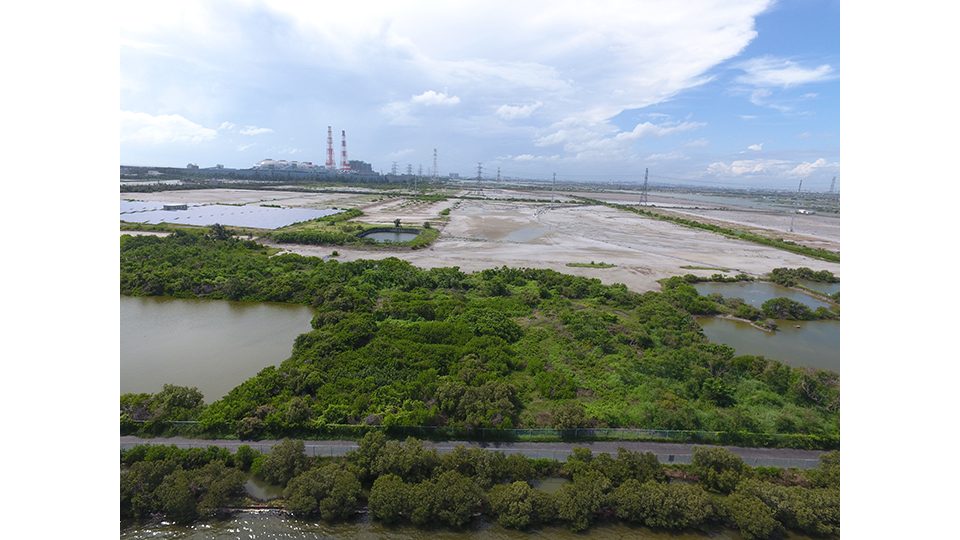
(702, 92)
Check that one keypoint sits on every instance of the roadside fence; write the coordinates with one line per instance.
(341, 450)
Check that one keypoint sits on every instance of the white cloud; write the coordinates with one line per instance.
(433, 98)
(769, 167)
(747, 166)
(254, 130)
(243, 147)
(676, 154)
(229, 126)
(400, 153)
(757, 147)
(164, 128)
(769, 71)
(509, 112)
(591, 141)
(699, 143)
(805, 169)
(533, 158)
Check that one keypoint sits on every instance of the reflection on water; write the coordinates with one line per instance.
(814, 344)
(261, 490)
(392, 236)
(269, 525)
(212, 344)
(756, 293)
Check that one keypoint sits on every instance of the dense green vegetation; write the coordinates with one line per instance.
(405, 482)
(395, 345)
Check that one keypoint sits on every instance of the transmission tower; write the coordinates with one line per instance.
(553, 192)
(480, 178)
(643, 195)
(409, 169)
(435, 173)
(796, 206)
(833, 183)
(393, 170)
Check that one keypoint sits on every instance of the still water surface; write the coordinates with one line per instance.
(212, 344)
(756, 293)
(393, 236)
(815, 344)
(267, 525)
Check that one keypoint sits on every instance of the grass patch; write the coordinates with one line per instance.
(592, 264)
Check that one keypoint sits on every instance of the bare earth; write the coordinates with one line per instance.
(489, 233)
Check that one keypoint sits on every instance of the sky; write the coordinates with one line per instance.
(709, 93)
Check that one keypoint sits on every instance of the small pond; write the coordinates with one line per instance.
(524, 235)
(815, 343)
(392, 236)
(826, 288)
(261, 490)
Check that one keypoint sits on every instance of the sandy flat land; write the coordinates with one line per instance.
(480, 234)
(487, 234)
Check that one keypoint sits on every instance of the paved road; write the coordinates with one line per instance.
(666, 452)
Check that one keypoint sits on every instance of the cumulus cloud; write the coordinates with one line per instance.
(676, 154)
(510, 112)
(805, 169)
(530, 158)
(164, 128)
(593, 141)
(769, 71)
(769, 167)
(254, 130)
(433, 98)
(747, 166)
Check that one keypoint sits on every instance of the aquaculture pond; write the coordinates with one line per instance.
(796, 343)
(212, 344)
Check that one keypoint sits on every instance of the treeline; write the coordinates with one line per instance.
(779, 243)
(405, 482)
(395, 345)
(788, 277)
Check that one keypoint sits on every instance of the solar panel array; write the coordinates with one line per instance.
(204, 215)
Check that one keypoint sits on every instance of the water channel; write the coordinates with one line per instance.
(268, 525)
(212, 344)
